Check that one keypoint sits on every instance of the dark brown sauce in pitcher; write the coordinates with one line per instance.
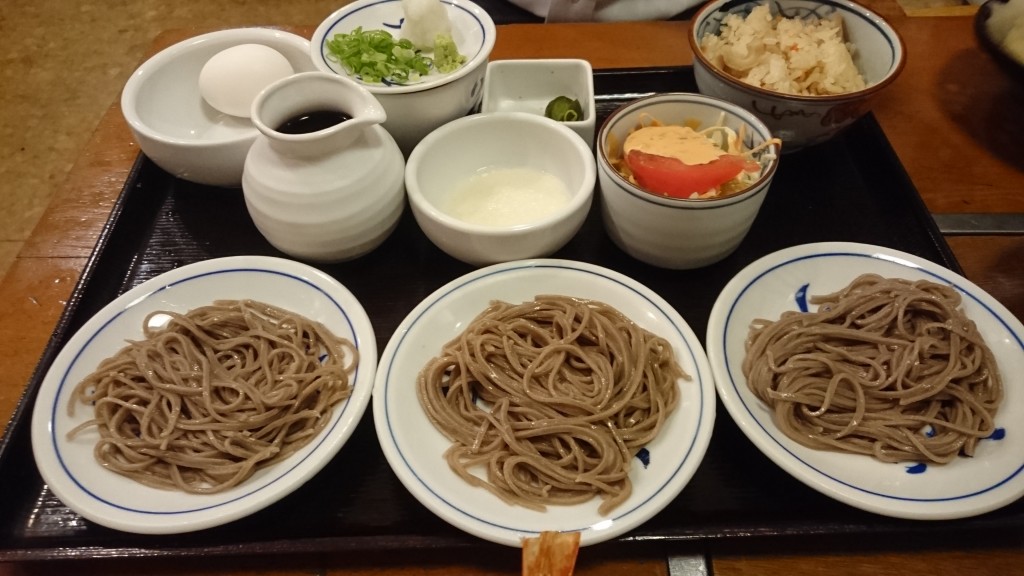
(309, 122)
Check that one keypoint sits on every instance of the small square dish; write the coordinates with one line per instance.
(529, 85)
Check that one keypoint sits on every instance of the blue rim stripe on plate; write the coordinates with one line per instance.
(735, 382)
(699, 378)
(74, 361)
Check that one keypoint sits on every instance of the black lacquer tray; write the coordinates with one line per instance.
(852, 188)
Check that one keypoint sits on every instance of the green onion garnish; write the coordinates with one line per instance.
(375, 56)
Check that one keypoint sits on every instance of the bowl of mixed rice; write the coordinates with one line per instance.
(806, 68)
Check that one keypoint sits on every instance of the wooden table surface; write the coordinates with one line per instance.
(952, 118)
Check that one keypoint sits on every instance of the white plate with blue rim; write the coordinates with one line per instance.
(779, 282)
(414, 447)
(109, 499)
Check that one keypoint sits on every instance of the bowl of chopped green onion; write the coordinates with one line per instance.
(424, 60)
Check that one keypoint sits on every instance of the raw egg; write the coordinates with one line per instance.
(231, 79)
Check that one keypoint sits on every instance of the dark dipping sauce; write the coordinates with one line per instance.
(314, 121)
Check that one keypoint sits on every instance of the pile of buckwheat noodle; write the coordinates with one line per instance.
(885, 367)
(554, 397)
(206, 399)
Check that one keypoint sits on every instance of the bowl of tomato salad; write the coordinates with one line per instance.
(682, 177)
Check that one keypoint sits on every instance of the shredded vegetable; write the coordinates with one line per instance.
(375, 56)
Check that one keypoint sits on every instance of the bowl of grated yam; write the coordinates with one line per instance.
(806, 68)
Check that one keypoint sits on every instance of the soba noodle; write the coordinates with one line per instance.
(886, 367)
(214, 394)
(553, 397)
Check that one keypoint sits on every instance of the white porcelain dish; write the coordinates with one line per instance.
(416, 109)
(172, 123)
(451, 156)
(104, 497)
(679, 233)
(993, 478)
(331, 195)
(529, 85)
(414, 447)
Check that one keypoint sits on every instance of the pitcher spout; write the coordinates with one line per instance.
(309, 113)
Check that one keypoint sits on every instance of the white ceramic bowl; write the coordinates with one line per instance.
(802, 121)
(414, 110)
(172, 123)
(462, 148)
(679, 233)
(529, 85)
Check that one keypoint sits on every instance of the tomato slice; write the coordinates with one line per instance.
(671, 177)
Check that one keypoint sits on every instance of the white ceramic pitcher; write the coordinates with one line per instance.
(329, 195)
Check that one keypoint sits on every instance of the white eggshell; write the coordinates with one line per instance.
(231, 79)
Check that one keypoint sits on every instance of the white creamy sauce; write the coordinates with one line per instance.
(504, 197)
(680, 142)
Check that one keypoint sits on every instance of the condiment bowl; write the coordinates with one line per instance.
(803, 120)
(172, 123)
(417, 108)
(529, 85)
(677, 233)
(451, 157)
